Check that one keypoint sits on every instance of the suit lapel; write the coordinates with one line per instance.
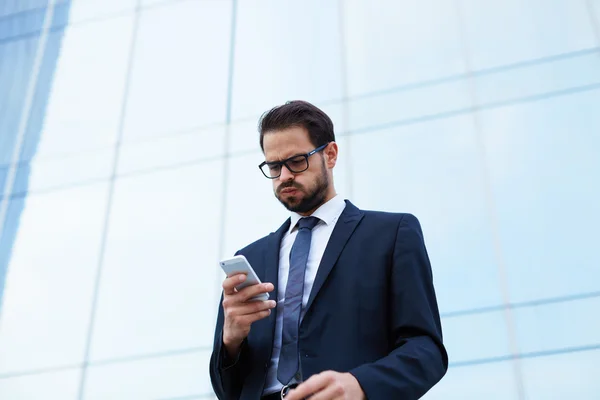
(344, 228)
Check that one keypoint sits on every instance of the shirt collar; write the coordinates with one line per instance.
(328, 212)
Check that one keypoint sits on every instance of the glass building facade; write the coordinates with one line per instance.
(128, 154)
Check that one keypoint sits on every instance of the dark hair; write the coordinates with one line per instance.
(298, 113)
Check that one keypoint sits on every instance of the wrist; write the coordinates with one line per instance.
(232, 346)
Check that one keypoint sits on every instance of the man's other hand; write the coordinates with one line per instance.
(328, 385)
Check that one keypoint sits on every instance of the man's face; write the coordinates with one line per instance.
(299, 192)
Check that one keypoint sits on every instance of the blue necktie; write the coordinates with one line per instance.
(288, 358)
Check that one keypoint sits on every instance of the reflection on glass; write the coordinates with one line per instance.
(171, 377)
(13, 7)
(179, 78)
(539, 79)
(86, 97)
(51, 272)
(403, 107)
(558, 326)
(536, 30)
(63, 385)
(494, 381)
(563, 376)
(433, 170)
(297, 63)
(475, 337)
(543, 162)
(171, 151)
(252, 209)
(54, 172)
(84, 10)
(391, 43)
(160, 263)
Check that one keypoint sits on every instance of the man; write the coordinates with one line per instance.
(352, 312)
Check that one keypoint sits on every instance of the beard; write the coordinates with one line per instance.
(312, 198)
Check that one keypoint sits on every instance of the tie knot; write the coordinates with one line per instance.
(308, 222)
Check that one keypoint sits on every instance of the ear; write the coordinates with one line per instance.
(331, 154)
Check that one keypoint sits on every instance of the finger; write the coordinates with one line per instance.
(313, 385)
(331, 392)
(231, 282)
(251, 318)
(255, 306)
(253, 290)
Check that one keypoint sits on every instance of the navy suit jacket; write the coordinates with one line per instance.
(372, 312)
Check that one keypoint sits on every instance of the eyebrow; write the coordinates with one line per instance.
(287, 158)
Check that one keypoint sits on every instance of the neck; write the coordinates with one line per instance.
(331, 193)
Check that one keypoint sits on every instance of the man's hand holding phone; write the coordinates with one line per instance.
(240, 313)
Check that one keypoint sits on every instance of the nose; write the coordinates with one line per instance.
(286, 175)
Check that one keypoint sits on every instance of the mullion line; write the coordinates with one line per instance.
(524, 304)
(397, 89)
(458, 364)
(85, 21)
(357, 131)
(109, 204)
(527, 355)
(474, 311)
(31, 10)
(111, 361)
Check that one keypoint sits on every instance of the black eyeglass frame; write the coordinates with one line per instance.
(284, 162)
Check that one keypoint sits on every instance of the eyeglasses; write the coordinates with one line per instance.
(295, 164)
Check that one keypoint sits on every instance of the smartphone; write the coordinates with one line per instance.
(239, 264)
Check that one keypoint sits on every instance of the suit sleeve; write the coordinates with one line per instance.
(419, 359)
(227, 375)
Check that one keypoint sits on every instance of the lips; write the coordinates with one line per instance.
(288, 191)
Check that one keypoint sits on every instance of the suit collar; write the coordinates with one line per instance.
(327, 212)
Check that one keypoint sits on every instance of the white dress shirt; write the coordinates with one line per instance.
(328, 214)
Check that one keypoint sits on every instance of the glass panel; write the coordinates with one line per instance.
(16, 61)
(299, 62)
(244, 136)
(91, 9)
(495, 381)
(425, 45)
(536, 30)
(544, 165)
(433, 170)
(173, 150)
(476, 336)
(18, 6)
(149, 3)
(173, 377)
(595, 18)
(29, 19)
(160, 264)
(563, 376)
(60, 172)
(180, 71)
(86, 98)
(342, 173)
(50, 280)
(579, 70)
(558, 326)
(253, 211)
(61, 385)
(404, 107)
